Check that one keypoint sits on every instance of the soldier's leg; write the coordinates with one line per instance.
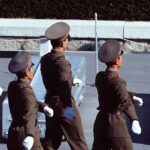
(53, 135)
(73, 131)
(100, 143)
(122, 143)
(74, 134)
(100, 140)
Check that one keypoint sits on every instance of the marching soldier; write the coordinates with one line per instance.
(23, 133)
(58, 81)
(110, 129)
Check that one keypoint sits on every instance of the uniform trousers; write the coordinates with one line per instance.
(71, 129)
(112, 143)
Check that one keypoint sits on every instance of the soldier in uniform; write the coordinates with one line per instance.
(110, 129)
(58, 81)
(23, 133)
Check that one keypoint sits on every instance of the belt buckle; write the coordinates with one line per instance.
(118, 113)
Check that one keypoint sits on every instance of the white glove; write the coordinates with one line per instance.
(28, 142)
(138, 100)
(77, 82)
(1, 91)
(48, 111)
(136, 127)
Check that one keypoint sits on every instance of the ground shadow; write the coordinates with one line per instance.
(144, 117)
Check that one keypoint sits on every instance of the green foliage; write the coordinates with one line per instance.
(76, 9)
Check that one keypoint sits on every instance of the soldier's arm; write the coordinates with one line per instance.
(123, 96)
(65, 78)
(41, 106)
(131, 94)
(29, 117)
(97, 84)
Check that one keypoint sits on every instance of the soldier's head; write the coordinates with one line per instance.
(110, 53)
(58, 34)
(21, 65)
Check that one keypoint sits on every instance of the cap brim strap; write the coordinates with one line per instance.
(64, 38)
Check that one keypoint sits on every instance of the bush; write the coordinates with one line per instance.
(76, 9)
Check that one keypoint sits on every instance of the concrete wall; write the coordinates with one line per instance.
(79, 28)
(28, 34)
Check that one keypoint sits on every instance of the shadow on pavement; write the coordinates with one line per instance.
(144, 118)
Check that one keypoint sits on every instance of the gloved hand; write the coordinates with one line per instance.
(1, 91)
(138, 100)
(48, 111)
(68, 113)
(77, 82)
(136, 127)
(28, 142)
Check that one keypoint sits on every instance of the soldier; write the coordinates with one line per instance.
(58, 81)
(23, 133)
(110, 129)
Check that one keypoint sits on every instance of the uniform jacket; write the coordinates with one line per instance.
(24, 111)
(57, 77)
(114, 101)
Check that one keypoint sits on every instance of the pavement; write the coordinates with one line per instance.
(136, 71)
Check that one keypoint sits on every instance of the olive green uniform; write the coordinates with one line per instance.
(58, 80)
(24, 111)
(110, 129)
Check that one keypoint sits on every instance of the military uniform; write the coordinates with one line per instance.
(110, 129)
(24, 110)
(23, 106)
(114, 100)
(58, 80)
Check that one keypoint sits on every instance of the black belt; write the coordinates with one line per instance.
(17, 123)
(117, 112)
(114, 112)
(20, 123)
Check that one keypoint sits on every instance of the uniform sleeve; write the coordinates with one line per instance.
(65, 82)
(126, 104)
(41, 106)
(30, 111)
(98, 89)
(131, 94)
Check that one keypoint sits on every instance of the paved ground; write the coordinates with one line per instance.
(136, 71)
